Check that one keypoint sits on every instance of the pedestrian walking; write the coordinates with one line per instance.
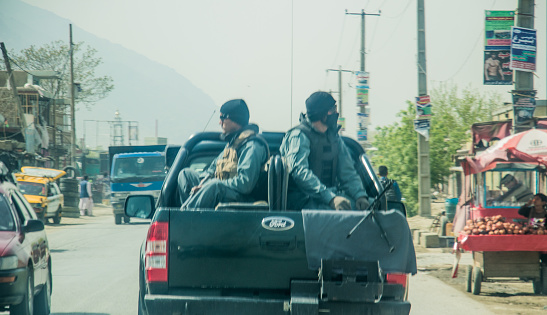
(394, 192)
(86, 198)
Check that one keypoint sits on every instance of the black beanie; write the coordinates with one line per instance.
(237, 111)
(318, 105)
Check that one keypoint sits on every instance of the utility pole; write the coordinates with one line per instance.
(362, 14)
(339, 87)
(524, 80)
(362, 68)
(72, 110)
(424, 173)
(14, 90)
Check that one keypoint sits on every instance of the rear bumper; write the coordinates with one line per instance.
(168, 304)
(13, 292)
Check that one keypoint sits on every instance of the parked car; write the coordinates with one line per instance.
(42, 192)
(25, 260)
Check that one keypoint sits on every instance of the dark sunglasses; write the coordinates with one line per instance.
(224, 116)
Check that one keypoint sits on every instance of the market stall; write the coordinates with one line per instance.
(498, 181)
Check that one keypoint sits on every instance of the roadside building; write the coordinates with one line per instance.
(46, 140)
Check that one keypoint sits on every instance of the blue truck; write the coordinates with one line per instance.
(134, 170)
(264, 258)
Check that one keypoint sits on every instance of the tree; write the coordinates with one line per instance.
(56, 56)
(454, 113)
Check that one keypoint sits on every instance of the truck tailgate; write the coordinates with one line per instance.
(236, 249)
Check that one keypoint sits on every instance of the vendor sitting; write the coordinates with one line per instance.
(534, 208)
(516, 189)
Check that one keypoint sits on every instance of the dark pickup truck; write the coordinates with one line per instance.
(261, 258)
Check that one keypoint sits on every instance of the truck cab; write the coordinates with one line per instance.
(134, 170)
(262, 258)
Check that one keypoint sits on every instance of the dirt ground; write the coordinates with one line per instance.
(509, 296)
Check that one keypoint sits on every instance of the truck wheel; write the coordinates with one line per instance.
(118, 218)
(57, 217)
(469, 275)
(477, 279)
(126, 219)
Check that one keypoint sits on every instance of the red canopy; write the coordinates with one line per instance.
(529, 146)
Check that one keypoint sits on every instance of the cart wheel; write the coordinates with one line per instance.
(469, 275)
(537, 286)
(543, 280)
(477, 279)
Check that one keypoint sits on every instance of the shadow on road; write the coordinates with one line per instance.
(58, 250)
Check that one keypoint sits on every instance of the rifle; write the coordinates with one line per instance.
(372, 214)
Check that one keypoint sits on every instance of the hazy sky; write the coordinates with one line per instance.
(245, 48)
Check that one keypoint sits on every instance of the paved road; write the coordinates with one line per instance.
(429, 295)
(95, 264)
(95, 270)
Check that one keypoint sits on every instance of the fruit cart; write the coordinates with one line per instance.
(505, 256)
(503, 249)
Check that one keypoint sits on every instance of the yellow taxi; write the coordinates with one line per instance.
(40, 189)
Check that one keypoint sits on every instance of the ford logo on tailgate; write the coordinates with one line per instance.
(277, 223)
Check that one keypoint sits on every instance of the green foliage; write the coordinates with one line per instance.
(454, 113)
(56, 56)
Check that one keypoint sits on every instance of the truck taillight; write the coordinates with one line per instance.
(397, 278)
(157, 242)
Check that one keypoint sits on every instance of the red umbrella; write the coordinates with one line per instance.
(529, 146)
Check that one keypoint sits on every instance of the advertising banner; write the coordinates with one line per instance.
(423, 106)
(523, 49)
(497, 28)
(362, 79)
(496, 67)
(362, 87)
(524, 105)
(497, 49)
(362, 135)
(342, 122)
(362, 121)
(422, 127)
(362, 97)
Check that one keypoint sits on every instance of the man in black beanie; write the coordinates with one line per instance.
(321, 169)
(232, 176)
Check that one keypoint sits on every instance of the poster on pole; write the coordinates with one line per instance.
(497, 49)
(497, 28)
(362, 121)
(342, 123)
(362, 135)
(422, 127)
(523, 49)
(496, 67)
(423, 106)
(362, 97)
(524, 105)
(363, 79)
(362, 85)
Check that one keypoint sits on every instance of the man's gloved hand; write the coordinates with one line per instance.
(340, 203)
(362, 203)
